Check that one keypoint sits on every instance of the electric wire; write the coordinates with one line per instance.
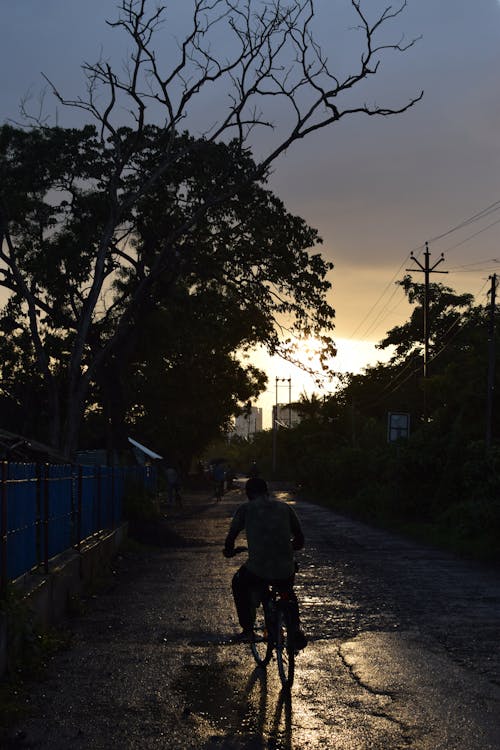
(471, 237)
(393, 384)
(492, 269)
(372, 308)
(400, 373)
(381, 315)
(477, 216)
(482, 214)
(411, 360)
(467, 322)
(476, 263)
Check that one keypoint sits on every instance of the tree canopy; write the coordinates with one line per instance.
(99, 223)
(244, 270)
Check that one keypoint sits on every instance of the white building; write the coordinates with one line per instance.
(287, 416)
(246, 425)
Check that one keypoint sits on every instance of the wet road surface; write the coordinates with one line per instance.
(403, 650)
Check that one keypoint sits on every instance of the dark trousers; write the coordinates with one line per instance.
(249, 591)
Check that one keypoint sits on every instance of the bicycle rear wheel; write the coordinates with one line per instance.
(285, 648)
(261, 646)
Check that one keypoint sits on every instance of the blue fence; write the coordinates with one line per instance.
(46, 509)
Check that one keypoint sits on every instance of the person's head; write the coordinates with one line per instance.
(256, 487)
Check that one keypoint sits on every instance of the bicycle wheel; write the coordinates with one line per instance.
(285, 648)
(261, 646)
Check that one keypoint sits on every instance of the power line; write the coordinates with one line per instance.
(381, 315)
(477, 216)
(459, 330)
(384, 394)
(476, 263)
(388, 286)
(471, 237)
(482, 214)
(483, 269)
(409, 363)
(411, 360)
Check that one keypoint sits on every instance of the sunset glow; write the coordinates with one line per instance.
(352, 356)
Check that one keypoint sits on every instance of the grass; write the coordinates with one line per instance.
(30, 666)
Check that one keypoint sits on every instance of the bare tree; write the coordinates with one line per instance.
(269, 53)
(270, 61)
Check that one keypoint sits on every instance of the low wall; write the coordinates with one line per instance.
(47, 596)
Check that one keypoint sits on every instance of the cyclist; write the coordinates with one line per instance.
(173, 485)
(219, 475)
(273, 532)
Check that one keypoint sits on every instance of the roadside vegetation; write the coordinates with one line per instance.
(441, 484)
(29, 650)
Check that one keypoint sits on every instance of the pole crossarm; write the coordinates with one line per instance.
(431, 269)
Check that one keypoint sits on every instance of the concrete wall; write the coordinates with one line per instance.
(47, 596)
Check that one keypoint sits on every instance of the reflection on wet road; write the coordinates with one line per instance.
(403, 653)
(403, 650)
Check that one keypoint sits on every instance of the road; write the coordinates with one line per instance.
(403, 649)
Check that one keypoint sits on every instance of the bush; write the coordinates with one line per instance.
(140, 504)
(473, 527)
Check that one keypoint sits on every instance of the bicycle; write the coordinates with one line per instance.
(274, 631)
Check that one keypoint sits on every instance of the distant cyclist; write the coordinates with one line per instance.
(253, 471)
(273, 532)
(173, 485)
(219, 475)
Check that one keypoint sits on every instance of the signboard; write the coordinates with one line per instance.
(398, 426)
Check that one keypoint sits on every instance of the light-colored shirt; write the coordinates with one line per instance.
(270, 526)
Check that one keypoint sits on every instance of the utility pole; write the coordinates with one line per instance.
(276, 420)
(427, 269)
(491, 361)
(290, 403)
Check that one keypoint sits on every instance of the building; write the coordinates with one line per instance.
(246, 425)
(287, 416)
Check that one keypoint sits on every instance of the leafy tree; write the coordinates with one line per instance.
(446, 311)
(457, 334)
(94, 221)
(183, 382)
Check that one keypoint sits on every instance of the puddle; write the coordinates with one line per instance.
(247, 715)
(208, 694)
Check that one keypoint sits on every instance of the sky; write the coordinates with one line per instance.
(375, 188)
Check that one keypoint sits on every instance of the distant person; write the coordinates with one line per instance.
(219, 475)
(253, 470)
(273, 532)
(173, 485)
(230, 477)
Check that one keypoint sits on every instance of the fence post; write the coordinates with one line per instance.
(113, 497)
(3, 530)
(79, 509)
(98, 520)
(46, 511)
(38, 519)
